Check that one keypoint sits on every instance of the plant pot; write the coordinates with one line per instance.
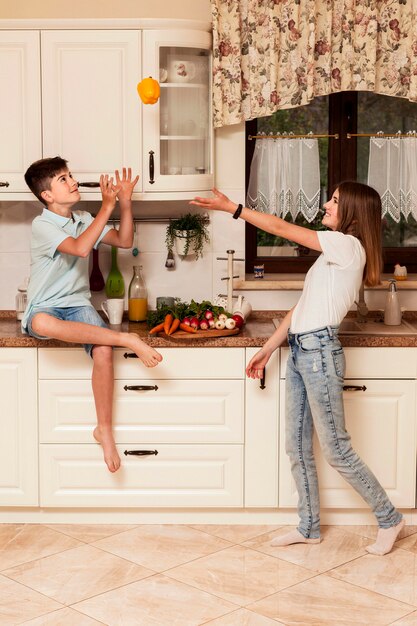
(181, 238)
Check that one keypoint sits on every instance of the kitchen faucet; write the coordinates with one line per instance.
(230, 276)
(362, 310)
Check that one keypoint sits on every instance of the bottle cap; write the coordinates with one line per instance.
(24, 285)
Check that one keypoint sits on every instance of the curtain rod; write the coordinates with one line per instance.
(335, 136)
(380, 134)
(309, 136)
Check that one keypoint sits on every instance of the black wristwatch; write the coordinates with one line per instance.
(238, 211)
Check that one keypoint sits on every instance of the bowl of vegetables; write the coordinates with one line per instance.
(193, 320)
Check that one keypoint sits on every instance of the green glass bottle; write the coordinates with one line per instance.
(115, 285)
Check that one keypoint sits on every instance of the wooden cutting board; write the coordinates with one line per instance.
(200, 334)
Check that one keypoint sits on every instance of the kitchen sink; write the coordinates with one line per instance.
(370, 327)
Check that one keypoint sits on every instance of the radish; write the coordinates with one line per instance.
(239, 321)
(230, 323)
(204, 325)
(208, 315)
(222, 317)
(186, 321)
(211, 323)
(194, 323)
(219, 324)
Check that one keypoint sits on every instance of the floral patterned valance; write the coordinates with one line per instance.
(279, 54)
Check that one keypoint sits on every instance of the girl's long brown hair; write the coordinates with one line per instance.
(360, 212)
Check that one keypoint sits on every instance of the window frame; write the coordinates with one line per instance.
(342, 163)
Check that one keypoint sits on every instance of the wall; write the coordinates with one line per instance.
(19, 9)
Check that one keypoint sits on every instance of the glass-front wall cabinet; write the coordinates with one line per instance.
(177, 131)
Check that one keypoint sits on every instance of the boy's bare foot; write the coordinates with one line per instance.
(105, 438)
(145, 353)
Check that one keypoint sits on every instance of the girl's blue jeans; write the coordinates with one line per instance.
(314, 401)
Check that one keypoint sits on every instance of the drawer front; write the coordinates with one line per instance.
(178, 411)
(178, 363)
(373, 362)
(179, 476)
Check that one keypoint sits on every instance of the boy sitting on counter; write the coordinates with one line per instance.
(59, 295)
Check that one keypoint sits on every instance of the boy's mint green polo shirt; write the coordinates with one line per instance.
(56, 279)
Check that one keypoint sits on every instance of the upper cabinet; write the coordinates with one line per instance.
(20, 107)
(91, 113)
(177, 132)
(75, 96)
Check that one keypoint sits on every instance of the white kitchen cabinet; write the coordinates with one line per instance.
(261, 435)
(190, 408)
(18, 427)
(381, 419)
(178, 476)
(20, 108)
(177, 131)
(72, 92)
(91, 113)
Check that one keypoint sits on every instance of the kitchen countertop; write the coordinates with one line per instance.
(255, 333)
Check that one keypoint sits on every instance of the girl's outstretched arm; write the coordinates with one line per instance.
(269, 223)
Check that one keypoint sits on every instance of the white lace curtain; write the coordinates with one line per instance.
(285, 177)
(392, 171)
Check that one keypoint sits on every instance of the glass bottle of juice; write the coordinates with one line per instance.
(138, 296)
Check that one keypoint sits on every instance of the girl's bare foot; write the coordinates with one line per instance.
(104, 437)
(145, 353)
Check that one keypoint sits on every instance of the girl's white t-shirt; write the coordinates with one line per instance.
(332, 283)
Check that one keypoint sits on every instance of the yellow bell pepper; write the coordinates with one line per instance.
(149, 90)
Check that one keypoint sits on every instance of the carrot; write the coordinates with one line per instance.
(157, 329)
(174, 326)
(187, 328)
(167, 323)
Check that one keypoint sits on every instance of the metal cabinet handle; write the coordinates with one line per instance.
(140, 452)
(4, 184)
(140, 387)
(151, 167)
(89, 184)
(262, 381)
(354, 388)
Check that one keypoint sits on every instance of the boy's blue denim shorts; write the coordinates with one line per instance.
(85, 314)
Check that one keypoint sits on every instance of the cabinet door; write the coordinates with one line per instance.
(18, 427)
(261, 436)
(20, 108)
(90, 107)
(177, 131)
(382, 423)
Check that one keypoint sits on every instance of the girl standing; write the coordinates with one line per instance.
(350, 252)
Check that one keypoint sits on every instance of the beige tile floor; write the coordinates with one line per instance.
(179, 575)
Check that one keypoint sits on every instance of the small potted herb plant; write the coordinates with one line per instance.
(189, 233)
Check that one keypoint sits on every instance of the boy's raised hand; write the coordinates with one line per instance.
(109, 191)
(125, 184)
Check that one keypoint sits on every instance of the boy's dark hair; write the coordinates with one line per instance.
(39, 175)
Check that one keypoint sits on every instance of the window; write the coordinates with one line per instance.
(340, 159)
